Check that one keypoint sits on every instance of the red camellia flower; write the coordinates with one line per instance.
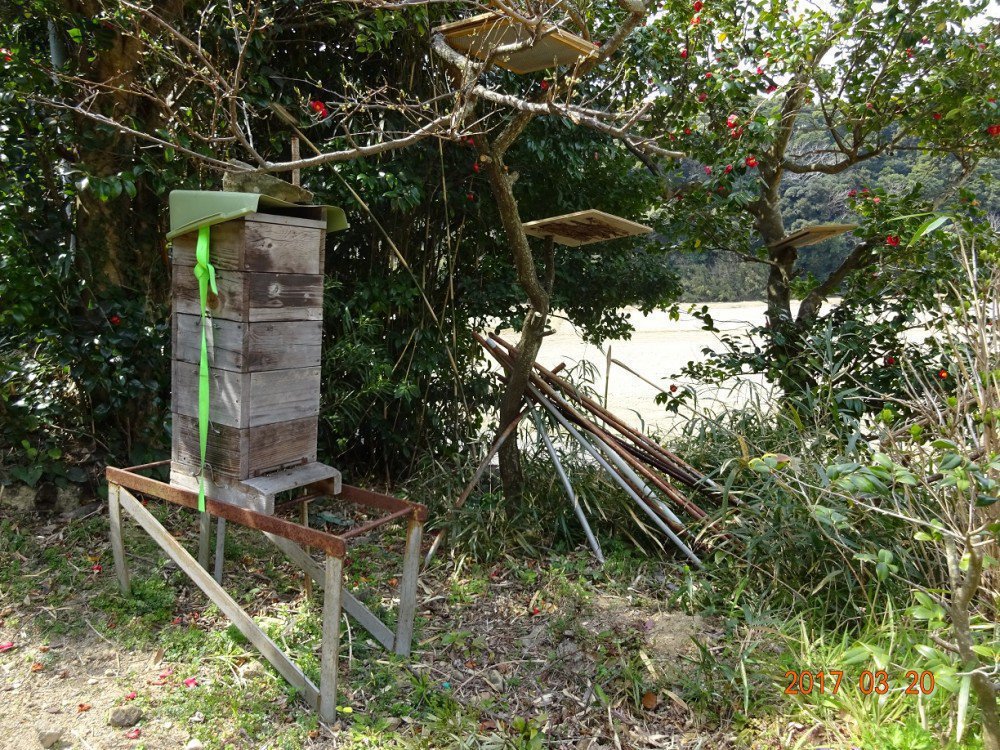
(97, 568)
(684, 54)
(673, 388)
(937, 115)
(470, 197)
(728, 169)
(889, 361)
(760, 71)
(702, 96)
(318, 107)
(943, 374)
(994, 130)
(708, 75)
(892, 240)
(772, 88)
(131, 696)
(708, 170)
(115, 319)
(698, 5)
(6, 646)
(876, 200)
(544, 85)
(688, 131)
(133, 734)
(732, 121)
(696, 20)
(476, 167)
(6, 54)
(751, 161)
(852, 193)
(909, 52)
(191, 682)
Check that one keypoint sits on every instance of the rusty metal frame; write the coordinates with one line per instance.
(291, 538)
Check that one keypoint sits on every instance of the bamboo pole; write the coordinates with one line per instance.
(567, 485)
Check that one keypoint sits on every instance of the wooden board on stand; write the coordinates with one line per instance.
(479, 35)
(584, 228)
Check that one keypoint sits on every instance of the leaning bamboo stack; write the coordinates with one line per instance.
(646, 471)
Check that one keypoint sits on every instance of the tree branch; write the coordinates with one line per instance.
(858, 258)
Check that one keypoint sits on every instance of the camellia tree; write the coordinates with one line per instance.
(763, 95)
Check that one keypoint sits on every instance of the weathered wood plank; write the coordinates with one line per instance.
(224, 451)
(225, 489)
(220, 548)
(228, 606)
(225, 341)
(330, 652)
(408, 587)
(248, 452)
(283, 345)
(225, 249)
(248, 399)
(228, 304)
(290, 479)
(249, 347)
(227, 393)
(278, 248)
(117, 541)
(251, 296)
(283, 395)
(313, 217)
(204, 537)
(285, 296)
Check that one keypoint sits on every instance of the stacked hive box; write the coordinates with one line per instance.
(265, 337)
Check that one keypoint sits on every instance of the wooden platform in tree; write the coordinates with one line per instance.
(814, 234)
(584, 228)
(479, 35)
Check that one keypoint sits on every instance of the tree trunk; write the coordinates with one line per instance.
(533, 328)
(119, 241)
(511, 471)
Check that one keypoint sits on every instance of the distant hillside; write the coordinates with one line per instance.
(817, 198)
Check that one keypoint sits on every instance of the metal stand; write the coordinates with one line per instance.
(288, 536)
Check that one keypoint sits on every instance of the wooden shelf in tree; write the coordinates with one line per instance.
(479, 35)
(584, 228)
(814, 235)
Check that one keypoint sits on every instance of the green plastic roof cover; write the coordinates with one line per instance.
(190, 209)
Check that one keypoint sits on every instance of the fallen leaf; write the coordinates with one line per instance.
(487, 726)
(37, 667)
(166, 673)
(649, 700)
(83, 707)
(43, 649)
(133, 734)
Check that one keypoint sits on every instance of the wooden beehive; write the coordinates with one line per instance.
(265, 340)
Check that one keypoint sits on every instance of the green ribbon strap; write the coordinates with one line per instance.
(205, 273)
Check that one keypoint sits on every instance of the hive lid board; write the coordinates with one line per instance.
(478, 35)
(814, 235)
(190, 209)
(584, 228)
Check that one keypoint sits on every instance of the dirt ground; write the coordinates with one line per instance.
(523, 654)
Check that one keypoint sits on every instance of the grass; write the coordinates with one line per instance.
(504, 620)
